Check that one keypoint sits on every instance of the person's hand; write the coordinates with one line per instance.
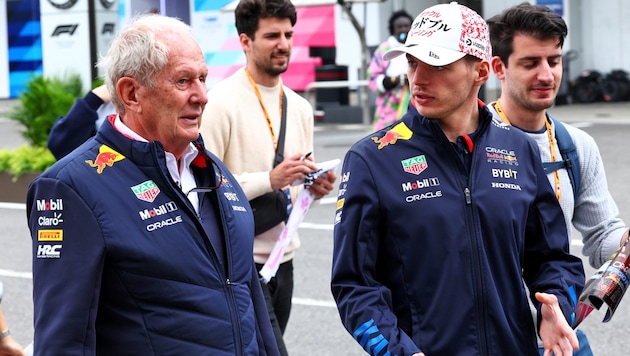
(103, 93)
(556, 334)
(323, 185)
(290, 169)
(418, 354)
(10, 347)
(390, 83)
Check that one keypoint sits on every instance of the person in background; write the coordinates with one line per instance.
(527, 43)
(241, 126)
(150, 231)
(388, 78)
(437, 223)
(8, 345)
(81, 122)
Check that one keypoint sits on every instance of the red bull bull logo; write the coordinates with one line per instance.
(105, 158)
(398, 132)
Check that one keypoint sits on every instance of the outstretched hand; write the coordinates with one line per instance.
(556, 334)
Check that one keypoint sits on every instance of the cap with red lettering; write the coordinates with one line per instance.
(444, 33)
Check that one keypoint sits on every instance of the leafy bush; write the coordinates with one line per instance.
(25, 159)
(43, 101)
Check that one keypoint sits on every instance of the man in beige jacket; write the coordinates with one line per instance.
(241, 125)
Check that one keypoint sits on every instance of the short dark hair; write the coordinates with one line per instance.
(394, 17)
(248, 12)
(537, 21)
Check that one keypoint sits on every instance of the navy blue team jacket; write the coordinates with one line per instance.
(430, 255)
(123, 265)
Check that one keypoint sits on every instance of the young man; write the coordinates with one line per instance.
(527, 45)
(142, 238)
(437, 223)
(242, 124)
(387, 78)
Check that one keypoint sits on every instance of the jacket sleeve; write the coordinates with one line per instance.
(376, 70)
(79, 124)
(68, 254)
(548, 266)
(595, 215)
(364, 304)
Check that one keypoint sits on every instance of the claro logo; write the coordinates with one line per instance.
(63, 5)
(61, 29)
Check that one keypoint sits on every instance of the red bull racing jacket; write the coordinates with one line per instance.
(123, 265)
(430, 253)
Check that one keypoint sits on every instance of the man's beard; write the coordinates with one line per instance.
(276, 71)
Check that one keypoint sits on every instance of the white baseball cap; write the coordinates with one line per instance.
(444, 33)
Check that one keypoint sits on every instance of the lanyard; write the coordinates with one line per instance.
(552, 145)
(262, 105)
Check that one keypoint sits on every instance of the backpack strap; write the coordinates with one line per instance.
(568, 151)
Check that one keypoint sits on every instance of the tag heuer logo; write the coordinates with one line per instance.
(62, 5)
(146, 191)
(414, 165)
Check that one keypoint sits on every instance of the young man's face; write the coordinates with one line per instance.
(270, 49)
(440, 92)
(533, 74)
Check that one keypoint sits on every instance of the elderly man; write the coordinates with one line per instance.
(142, 239)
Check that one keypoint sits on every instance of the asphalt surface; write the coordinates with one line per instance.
(315, 327)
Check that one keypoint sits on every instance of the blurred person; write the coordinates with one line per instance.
(437, 223)
(142, 238)
(242, 126)
(527, 43)
(387, 78)
(81, 122)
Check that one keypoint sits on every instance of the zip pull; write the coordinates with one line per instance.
(228, 282)
(467, 195)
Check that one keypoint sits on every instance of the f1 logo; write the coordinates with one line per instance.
(69, 29)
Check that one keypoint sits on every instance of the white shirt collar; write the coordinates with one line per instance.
(184, 178)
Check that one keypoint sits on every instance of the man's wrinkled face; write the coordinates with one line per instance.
(171, 111)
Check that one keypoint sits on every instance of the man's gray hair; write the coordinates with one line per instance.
(138, 51)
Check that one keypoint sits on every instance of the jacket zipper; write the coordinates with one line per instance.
(213, 254)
